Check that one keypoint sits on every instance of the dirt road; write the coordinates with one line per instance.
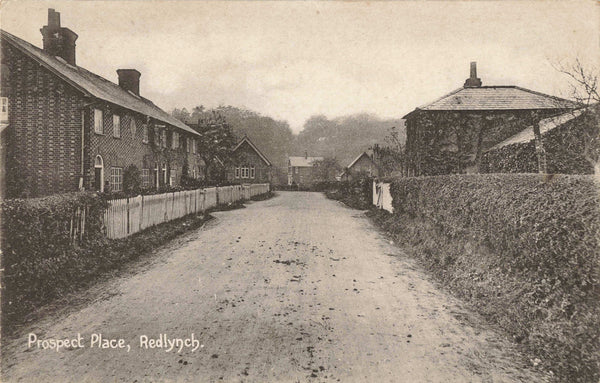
(293, 289)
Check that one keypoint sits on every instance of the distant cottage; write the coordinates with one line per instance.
(249, 164)
(301, 170)
(363, 164)
(451, 134)
(65, 128)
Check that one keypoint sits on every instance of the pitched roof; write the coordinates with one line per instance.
(546, 125)
(304, 162)
(358, 158)
(497, 98)
(94, 85)
(247, 140)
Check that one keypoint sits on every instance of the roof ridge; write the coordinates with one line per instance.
(93, 84)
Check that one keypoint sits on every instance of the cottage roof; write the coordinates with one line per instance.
(304, 162)
(546, 125)
(94, 85)
(496, 98)
(358, 158)
(247, 140)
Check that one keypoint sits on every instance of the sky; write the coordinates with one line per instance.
(291, 60)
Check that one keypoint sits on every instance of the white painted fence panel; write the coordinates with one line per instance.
(127, 216)
(382, 198)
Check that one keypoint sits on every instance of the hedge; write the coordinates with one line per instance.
(357, 193)
(523, 247)
(38, 247)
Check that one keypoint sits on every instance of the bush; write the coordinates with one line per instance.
(357, 193)
(39, 248)
(132, 180)
(518, 246)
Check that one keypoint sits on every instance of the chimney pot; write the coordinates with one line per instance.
(57, 40)
(305, 155)
(473, 81)
(129, 79)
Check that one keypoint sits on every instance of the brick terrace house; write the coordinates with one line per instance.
(451, 134)
(65, 128)
(300, 170)
(249, 165)
(362, 164)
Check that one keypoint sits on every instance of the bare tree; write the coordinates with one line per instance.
(584, 89)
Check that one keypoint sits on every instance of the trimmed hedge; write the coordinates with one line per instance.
(39, 253)
(357, 193)
(523, 248)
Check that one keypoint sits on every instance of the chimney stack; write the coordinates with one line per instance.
(57, 40)
(473, 81)
(129, 79)
(305, 155)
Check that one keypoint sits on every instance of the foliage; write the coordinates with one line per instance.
(345, 137)
(326, 169)
(38, 243)
(357, 193)
(274, 138)
(517, 246)
(391, 157)
(132, 180)
(444, 142)
(570, 149)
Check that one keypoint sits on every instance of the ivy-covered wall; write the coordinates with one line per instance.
(447, 142)
(566, 146)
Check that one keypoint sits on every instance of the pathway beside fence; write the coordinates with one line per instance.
(127, 216)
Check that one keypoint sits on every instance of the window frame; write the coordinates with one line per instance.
(174, 140)
(146, 134)
(237, 172)
(116, 179)
(252, 172)
(132, 127)
(98, 121)
(3, 108)
(116, 126)
(146, 178)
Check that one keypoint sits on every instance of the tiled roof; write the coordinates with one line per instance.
(497, 98)
(546, 125)
(246, 139)
(304, 162)
(95, 85)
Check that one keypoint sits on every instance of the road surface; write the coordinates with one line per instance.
(293, 289)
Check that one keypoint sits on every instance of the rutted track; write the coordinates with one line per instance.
(296, 288)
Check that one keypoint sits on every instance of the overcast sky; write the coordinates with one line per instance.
(291, 60)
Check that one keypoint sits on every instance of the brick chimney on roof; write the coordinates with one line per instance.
(57, 40)
(129, 79)
(473, 81)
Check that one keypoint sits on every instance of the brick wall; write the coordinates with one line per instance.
(44, 133)
(246, 156)
(130, 149)
(43, 140)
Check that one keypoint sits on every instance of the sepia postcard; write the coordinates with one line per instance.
(299, 191)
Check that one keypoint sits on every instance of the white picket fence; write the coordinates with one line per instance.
(127, 216)
(381, 196)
